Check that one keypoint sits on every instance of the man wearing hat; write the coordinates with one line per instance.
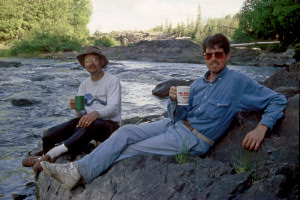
(100, 118)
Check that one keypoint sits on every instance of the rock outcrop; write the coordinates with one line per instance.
(173, 51)
(158, 47)
(226, 172)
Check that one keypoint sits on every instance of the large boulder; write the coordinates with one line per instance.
(281, 144)
(162, 89)
(285, 77)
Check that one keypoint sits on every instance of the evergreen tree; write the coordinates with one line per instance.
(198, 33)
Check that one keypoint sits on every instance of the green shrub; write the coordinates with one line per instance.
(5, 53)
(107, 41)
(277, 48)
(297, 47)
(45, 41)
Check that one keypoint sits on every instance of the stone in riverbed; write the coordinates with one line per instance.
(9, 64)
(22, 102)
(162, 89)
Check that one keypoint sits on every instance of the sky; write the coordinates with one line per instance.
(119, 15)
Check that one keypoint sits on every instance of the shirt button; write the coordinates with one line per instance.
(210, 84)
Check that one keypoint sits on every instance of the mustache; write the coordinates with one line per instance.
(215, 62)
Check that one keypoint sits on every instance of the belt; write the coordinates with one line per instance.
(198, 134)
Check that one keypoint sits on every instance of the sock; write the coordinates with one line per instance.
(57, 151)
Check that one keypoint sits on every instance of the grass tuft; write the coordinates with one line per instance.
(183, 155)
(244, 160)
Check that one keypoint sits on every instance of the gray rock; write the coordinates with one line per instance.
(285, 77)
(9, 64)
(162, 89)
(287, 91)
(281, 144)
(42, 78)
(23, 102)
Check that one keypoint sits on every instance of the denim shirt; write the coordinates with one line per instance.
(213, 105)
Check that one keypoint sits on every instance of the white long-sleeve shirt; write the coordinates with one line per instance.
(103, 96)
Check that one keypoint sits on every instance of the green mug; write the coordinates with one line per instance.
(79, 102)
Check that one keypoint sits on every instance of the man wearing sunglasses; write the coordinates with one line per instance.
(214, 101)
(99, 119)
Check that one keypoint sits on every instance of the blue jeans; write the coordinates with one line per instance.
(161, 137)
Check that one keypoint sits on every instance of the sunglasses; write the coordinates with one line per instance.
(218, 55)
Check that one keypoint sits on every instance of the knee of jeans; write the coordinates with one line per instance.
(127, 128)
(123, 132)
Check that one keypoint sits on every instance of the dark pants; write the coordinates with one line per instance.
(77, 139)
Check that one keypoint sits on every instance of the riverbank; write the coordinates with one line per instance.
(186, 51)
(141, 46)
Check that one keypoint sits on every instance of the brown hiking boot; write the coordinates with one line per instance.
(30, 161)
(37, 166)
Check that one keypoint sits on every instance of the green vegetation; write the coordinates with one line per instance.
(32, 27)
(258, 20)
(183, 155)
(44, 26)
(261, 20)
(45, 41)
(244, 160)
(107, 41)
(5, 53)
(17, 17)
(197, 31)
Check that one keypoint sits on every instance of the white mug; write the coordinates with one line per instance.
(183, 95)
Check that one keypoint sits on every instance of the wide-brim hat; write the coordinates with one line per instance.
(91, 50)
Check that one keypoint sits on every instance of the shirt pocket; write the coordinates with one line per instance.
(217, 109)
(196, 103)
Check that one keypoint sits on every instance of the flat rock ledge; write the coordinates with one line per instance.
(226, 172)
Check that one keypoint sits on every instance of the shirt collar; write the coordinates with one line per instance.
(218, 76)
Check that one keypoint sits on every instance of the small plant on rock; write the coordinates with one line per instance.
(183, 155)
(244, 160)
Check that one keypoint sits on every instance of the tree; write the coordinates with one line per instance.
(198, 33)
(18, 17)
(269, 20)
(10, 19)
(287, 13)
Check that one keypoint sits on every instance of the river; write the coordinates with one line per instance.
(49, 84)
